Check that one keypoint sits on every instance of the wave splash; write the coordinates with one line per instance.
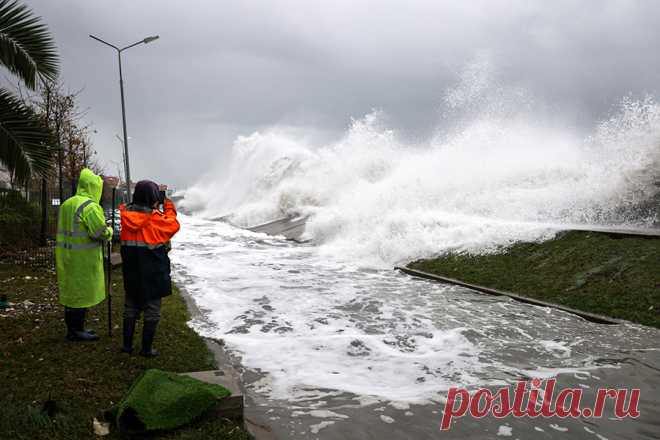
(501, 173)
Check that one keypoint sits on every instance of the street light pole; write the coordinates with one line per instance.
(127, 166)
(126, 197)
(127, 169)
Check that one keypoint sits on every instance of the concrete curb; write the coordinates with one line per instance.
(620, 232)
(231, 407)
(593, 317)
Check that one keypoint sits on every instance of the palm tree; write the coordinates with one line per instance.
(27, 51)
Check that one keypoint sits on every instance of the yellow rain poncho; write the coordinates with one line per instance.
(81, 231)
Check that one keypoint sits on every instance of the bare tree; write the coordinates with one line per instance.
(71, 134)
(59, 111)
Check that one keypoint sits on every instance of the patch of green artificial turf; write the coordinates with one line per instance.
(160, 400)
(53, 389)
(593, 272)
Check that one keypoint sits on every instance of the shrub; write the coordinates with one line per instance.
(19, 221)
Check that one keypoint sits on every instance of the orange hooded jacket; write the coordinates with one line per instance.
(145, 236)
(148, 227)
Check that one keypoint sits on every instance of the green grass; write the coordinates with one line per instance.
(592, 272)
(40, 371)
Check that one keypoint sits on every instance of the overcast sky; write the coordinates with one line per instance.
(223, 68)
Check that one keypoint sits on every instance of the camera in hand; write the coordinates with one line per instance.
(162, 194)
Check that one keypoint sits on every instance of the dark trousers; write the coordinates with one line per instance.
(133, 309)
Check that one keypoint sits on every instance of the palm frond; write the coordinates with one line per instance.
(24, 140)
(26, 47)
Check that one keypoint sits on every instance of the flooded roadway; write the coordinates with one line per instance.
(332, 350)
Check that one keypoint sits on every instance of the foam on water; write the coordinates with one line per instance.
(499, 167)
(324, 324)
(320, 327)
(330, 317)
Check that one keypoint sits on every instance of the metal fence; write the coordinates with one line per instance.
(28, 223)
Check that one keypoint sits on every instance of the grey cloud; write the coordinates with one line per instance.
(224, 68)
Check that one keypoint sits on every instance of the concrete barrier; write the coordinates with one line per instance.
(290, 227)
(593, 317)
(228, 407)
(632, 232)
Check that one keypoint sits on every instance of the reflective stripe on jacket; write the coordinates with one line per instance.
(145, 237)
(81, 230)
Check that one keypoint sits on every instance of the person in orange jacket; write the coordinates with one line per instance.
(145, 241)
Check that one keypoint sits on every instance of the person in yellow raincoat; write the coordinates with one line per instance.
(81, 232)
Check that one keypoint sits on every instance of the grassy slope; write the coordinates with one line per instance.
(83, 379)
(618, 277)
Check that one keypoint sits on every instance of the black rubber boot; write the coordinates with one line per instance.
(70, 321)
(148, 334)
(75, 319)
(128, 330)
(84, 335)
(83, 314)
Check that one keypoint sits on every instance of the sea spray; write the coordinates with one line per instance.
(498, 170)
(320, 321)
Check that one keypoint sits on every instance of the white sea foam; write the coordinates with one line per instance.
(500, 170)
(330, 317)
(558, 428)
(314, 429)
(319, 327)
(558, 349)
(504, 431)
(302, 327)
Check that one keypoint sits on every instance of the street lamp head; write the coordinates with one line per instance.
(150, 39)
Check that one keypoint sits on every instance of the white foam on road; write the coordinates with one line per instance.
(330, 317)
(314, 429)
(318, 327)
(310, 329)
(504, 431)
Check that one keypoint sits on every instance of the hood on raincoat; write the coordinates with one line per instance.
(90, 185)
(138, 214)
(146, 193)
